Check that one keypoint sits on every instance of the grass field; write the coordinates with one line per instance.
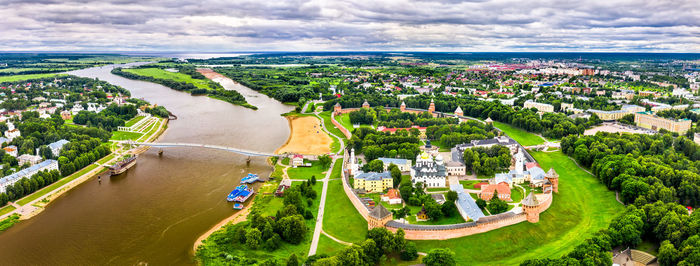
(521, 136)
(341, 219)
(7, 209)
(516, 194)
(582, 207)
(162, 74)
(14, 78)
(440, 145)
(122, 135)
(469, 184)
(316, 169)
(134, 120)
(61, 182)
(326, 245)
(344, 120)
(329, 125)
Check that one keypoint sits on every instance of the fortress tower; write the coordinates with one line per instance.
(530, 207)
(365, 104)
(403, 107)
(431, 108)
(553, 178)
(458, 111)
(378, 217)
(337, 108)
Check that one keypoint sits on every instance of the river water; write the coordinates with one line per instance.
(153, 213)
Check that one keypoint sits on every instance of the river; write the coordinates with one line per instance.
(153, 213)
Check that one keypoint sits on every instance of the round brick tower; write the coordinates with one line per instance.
(431, 108)
(530, 207)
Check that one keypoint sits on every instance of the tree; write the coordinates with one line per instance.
(325, 160)
(293, 261)
(313, 180)
(497, 205)
(448, 208)
(253, 238)
(439, 257)
(395, 174)
(292, 228)
(451, 196)
(410, 252)
(375, 166)
(668, 255)
(481, 203)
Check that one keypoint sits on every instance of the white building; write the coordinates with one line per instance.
(12, 133)
(542, 107)
(431, 172)
(9, 180)
(57, 146)
(28, 158)
(403, 164)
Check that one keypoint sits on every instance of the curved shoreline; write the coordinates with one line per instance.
(291, 133)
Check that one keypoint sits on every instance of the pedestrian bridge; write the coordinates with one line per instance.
(206, 146)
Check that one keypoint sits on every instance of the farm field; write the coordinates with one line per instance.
(162, 74)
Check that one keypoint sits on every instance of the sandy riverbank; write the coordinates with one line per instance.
(233, 219)
(307, 137)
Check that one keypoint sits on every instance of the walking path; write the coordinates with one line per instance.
(335, 239)
(321, 207)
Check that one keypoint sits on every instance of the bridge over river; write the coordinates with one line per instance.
(207, 146)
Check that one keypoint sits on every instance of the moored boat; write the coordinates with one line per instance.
(232, 196)
(250, 178)
(243, 196)
(123, 165)
(238, 206)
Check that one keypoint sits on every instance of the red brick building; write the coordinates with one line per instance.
(502, 189)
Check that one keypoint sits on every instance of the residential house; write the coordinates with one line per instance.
(373, 181)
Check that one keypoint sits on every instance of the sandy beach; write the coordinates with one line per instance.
(307, 137)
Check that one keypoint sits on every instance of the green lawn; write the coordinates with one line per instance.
(341, 219)
(469, 184)
(329, 125)
(277, 173)
(162, 74)
(337, 169)
(326, 245)
(521, 136)
(306, 172)
(441, 146)
(437, 189)
(57, 184)
(344, 120)
(122, 135)
(516, 194)
(14, 78)
(582, 207)
(647, 246)
(7, 209)
(134, 120)
(285, 161)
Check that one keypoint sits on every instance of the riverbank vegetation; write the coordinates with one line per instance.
(270, 234)
(183, 78)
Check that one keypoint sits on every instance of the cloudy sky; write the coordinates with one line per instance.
(324, 25)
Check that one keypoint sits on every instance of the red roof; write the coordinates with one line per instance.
(531, 165)
(502, 189)
(393, 193)
(394, 129)
(298, 156)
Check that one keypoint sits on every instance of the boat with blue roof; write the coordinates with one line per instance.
(239, 189)
(249, 179)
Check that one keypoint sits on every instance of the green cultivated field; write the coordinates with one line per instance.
(341, 219)
(582, 207)
(162, 74)
(523, 137)
(25, 77)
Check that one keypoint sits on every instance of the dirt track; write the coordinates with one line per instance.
(307, 137)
